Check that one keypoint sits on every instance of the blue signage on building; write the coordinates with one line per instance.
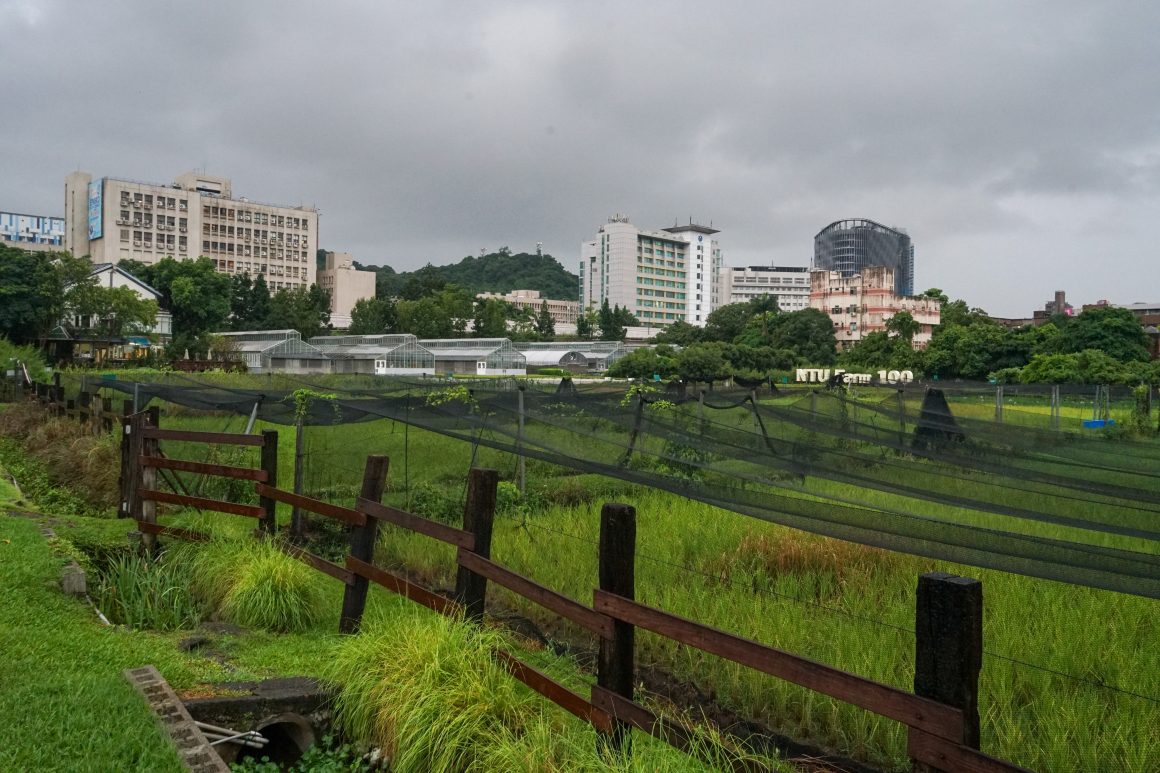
(96, 205)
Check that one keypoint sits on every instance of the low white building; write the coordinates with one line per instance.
(789, 284)
(384, 354)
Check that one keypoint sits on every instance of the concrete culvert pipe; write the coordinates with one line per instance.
(289, 735)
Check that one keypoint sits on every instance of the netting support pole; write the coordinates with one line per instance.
(362, 545)
(948, 654)
(635, 431)
(701, 407)
(136, 396)
(478, 518)
(253, 418)
(753, 405)
(999, 403)
(1055, 406)
(149, 447)
(617, 571)
(296, 524)
(523, 472)
(901, 418)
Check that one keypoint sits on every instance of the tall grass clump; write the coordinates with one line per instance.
(254, 584)
(426, 690)
(146, 593)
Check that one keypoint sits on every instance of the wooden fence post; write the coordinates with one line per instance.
(362, 545)
(106, 415)
(478, 517)
(270, 465)
(614, 671)
(949, 647)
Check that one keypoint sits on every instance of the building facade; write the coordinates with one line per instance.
(111, 219)
(849, 246)
(789, 284)
(674, 274)
(346, 284)
(861, 304)
(562, 312)
(32, 232)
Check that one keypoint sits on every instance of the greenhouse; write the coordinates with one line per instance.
(569, 359)
(282, 351)
(381, 355)
(598, 355)
(481, 356)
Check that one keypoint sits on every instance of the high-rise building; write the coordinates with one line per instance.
(674, 274)
(789, 284)
(863, 303)
(848, 246)
(32, 232)
(111, 219)
(346, 284)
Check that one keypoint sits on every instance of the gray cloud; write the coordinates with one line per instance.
(1019, 144)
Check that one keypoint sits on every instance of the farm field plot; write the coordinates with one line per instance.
(1070, 675)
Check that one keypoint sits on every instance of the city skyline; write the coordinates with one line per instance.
(1019, 146)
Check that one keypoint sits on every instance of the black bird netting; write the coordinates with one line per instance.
(898, 468)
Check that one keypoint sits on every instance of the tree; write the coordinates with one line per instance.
(614, 322)
(680, 333)
(490, 320)
(645, 363)
(703, 362)
(371, 316)
(904, 325)
(259, 310)
(586, 324)
(301, 309)
(808, 333)
(727, 323)
(1114, 331)
(196, 295)
(545, 325)
(240, 288)
(36, 289)
(116, 311)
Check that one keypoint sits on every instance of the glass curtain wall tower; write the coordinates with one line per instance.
(848, 246)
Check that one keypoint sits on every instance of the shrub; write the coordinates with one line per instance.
(441, 503)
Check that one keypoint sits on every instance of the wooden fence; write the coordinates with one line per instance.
(941, 715)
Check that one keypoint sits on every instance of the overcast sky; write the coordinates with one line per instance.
(1017, 143)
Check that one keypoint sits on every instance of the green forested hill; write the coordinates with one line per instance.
(497, 272)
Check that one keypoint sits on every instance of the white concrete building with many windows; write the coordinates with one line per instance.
(347, 286)
(660, 276)
(111, 219)
(789, 284)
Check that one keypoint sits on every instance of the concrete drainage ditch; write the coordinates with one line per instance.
(276, 718)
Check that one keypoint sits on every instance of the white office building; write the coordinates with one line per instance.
(660, 276)
(789, 284)
(111, 219)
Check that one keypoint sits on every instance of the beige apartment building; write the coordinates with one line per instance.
(861, 304)
(346, 284)
(563, 312)
(112, 219)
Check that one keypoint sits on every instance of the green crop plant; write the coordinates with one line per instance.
(146, 593)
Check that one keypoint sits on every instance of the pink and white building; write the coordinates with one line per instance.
(861, 304)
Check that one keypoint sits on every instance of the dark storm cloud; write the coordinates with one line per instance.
(1018, 143)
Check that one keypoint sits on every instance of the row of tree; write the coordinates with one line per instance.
(1100, 345)
(39, 291)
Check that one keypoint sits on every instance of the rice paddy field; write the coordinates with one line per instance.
(1071, 675)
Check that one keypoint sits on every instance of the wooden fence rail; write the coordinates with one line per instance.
(941, 715)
